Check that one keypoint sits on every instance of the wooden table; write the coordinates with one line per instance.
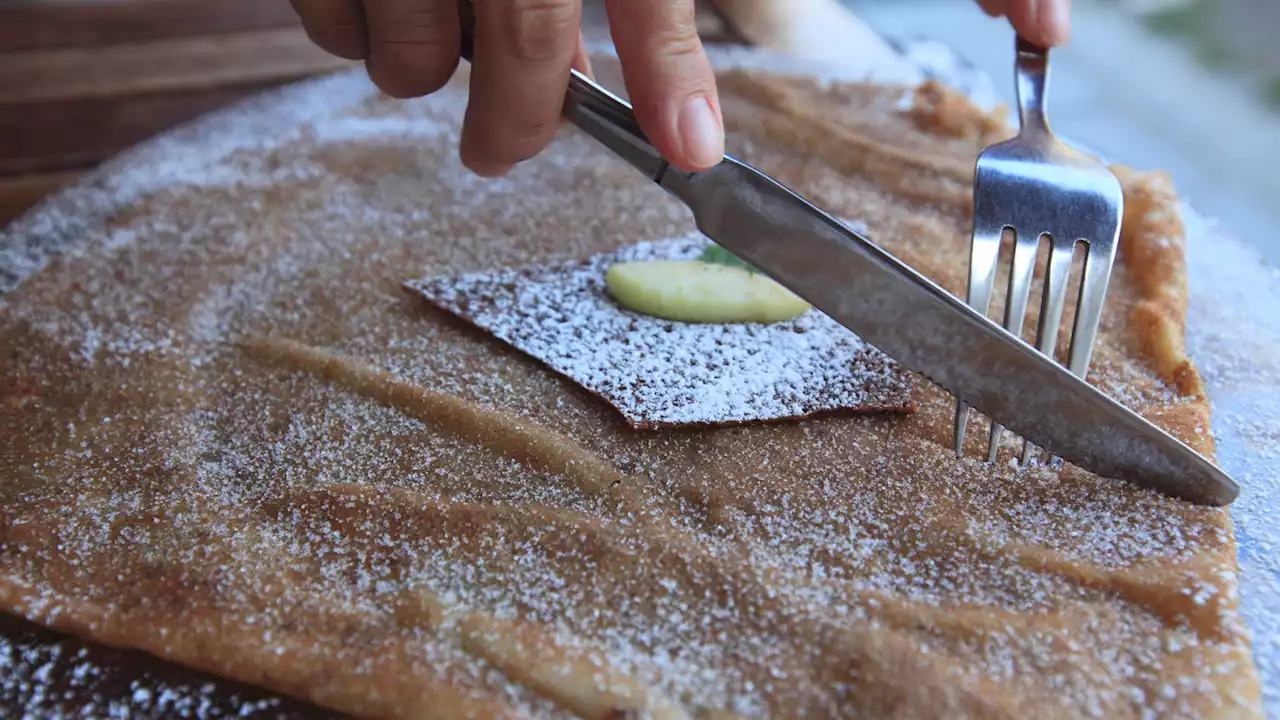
(83, 80)
(80, 81)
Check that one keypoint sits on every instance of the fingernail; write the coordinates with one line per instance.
(700, 133)
(488, 169)
(1054, 17)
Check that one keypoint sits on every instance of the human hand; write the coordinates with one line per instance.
(1043, 22)
(524, 50)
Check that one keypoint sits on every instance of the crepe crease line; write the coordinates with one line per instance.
(528, 654)
(546, 449)
(517, 438)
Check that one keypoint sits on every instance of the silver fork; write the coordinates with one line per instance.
(1037, 186)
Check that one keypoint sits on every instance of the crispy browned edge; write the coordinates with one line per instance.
(1153, 253)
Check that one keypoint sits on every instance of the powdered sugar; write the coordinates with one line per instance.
(818, 513)
(50, 679)
(226, 149)
(661, 373)
(1233, 334)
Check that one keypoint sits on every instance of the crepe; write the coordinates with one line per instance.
(228, 438)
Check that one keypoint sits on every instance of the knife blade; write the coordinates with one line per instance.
(932, 332)
(901, 312)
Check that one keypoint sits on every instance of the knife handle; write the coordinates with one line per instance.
(594, 110)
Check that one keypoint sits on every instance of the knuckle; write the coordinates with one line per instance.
(336, 26)
(540, 31)
(346, 39)
(677, 42)
(424, 23)
(425, 29)
(414, 55)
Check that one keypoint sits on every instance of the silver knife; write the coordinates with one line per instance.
(901, 312)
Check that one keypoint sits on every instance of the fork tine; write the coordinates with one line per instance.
(1093, 291)
(962, 419)
(1015, 310)
(984, 253)
(1057, 274)
(1035, 182)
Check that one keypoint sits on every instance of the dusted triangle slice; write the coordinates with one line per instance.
(663, 373)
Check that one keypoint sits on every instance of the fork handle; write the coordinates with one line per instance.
(1031, 69)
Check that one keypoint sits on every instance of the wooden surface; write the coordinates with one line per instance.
(171, 66)
(81, 81)
(20, 192)
(44, 25)
(76, 134)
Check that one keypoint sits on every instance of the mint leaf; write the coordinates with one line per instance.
(716, 255)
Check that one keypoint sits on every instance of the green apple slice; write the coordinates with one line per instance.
(699, 292)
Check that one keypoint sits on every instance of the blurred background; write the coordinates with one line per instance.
(1189, 86)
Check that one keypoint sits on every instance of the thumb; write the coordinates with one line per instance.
(670, 80)
(1043, 22)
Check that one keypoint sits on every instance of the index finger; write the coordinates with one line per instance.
(337, 26)
(669, 79)
(523, 53)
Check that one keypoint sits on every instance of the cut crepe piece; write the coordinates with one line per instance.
(660, 373)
